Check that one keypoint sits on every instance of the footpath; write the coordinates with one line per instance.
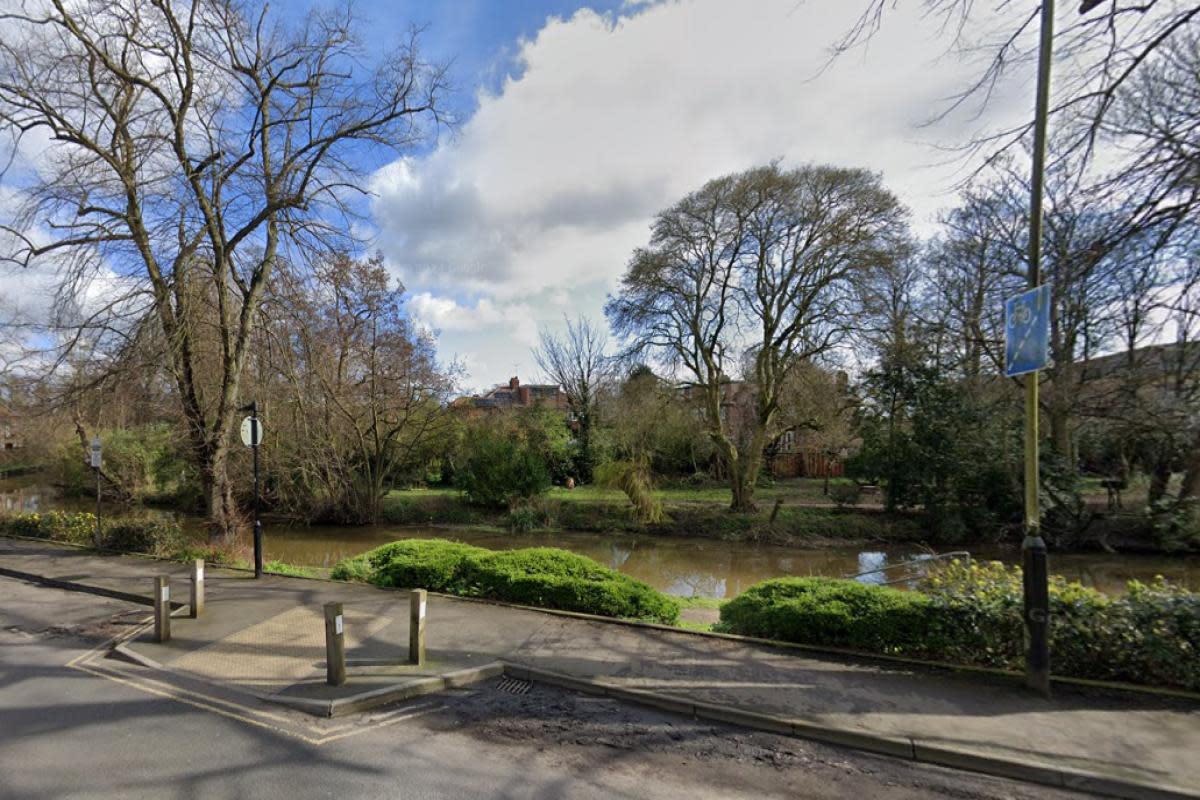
(266, 637)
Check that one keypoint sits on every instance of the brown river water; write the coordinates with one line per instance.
(683, 567)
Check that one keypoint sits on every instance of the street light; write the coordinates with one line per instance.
(1033, 548)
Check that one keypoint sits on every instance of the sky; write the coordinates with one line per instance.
(577, 122)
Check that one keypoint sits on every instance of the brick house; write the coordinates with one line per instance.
(515, 395)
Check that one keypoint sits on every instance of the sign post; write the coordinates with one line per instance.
(1026, 350)
(252, 438)
(96, 462)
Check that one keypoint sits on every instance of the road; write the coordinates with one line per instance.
(67, 733)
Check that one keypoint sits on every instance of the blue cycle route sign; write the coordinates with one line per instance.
(1027, 331)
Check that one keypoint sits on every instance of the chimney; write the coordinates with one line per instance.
(513, 383)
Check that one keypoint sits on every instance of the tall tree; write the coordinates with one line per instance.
(191, 146)
(760, 268)
(576, 361)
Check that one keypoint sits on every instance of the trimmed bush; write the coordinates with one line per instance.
(537, 576)
(971, 614)
(434, 564)
(829, 612)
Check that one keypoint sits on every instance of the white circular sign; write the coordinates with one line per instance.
(252, 431)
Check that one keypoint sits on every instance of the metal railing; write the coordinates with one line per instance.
(915, 567)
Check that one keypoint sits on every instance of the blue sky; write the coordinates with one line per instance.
(477, 37)
(579, 121)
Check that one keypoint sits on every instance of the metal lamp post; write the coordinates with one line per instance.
(1033, 548)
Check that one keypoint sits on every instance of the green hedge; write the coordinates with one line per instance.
(128, 534)
(536, 576)
(830, 613)
(971, 614)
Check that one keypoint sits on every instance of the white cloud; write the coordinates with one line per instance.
(445, 314)
(554, 181)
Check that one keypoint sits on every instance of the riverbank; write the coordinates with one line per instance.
(683, 565)
(785, 517)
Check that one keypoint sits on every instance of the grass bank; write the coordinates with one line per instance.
(690, 512)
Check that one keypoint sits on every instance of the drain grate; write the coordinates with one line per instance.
(514, 686)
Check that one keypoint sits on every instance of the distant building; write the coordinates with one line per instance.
(514, 395)
(10, 438)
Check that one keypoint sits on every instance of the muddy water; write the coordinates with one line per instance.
(683, 567)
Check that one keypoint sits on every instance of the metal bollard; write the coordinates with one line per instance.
(335, 645)
(197, 603)
(416, 627)
(162, 609)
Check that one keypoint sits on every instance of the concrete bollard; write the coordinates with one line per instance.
(197, 603)
(335, 645)
(416, 627)
(162, 609)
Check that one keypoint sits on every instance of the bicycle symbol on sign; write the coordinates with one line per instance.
(1022, 315)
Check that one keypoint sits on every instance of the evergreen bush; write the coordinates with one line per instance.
(971, 614)
(539, 576)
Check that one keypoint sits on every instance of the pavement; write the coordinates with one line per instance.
(1108, 742)
(74, 724)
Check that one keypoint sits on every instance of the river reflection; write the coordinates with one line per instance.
(682, 567)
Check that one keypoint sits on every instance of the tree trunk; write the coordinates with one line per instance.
(224, 519)
(1190, 490)
(1160, 476)
(585, 464)
(745, 472)
(1060, 433)
(743, 490)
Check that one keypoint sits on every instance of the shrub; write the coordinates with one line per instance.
(130, 534)
(1149, 635)
(212, 554)
(971, 614)
(62, 526)
(829, 612)
(146, 462)
(500, 470)
(352, 569)
(527, 517)
(845, 494)
(434, 564)
(540, 576)
(633, 478)
(142, 535)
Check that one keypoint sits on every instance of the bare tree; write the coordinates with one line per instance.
(1102, 50)
(189, 147)
(760, 268)
(357, 392)
(576, 361)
